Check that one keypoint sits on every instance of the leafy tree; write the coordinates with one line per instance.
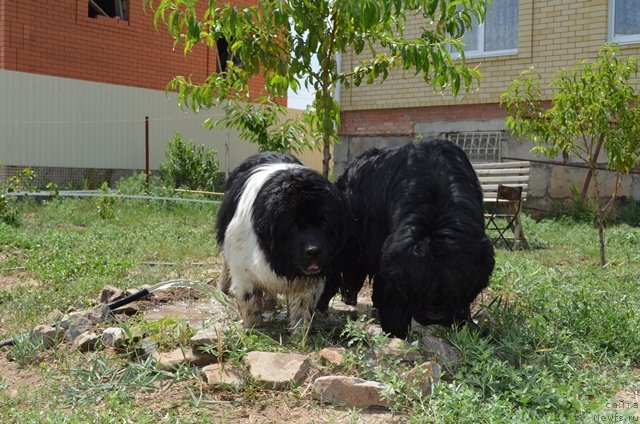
(593, 108)
(277, 39)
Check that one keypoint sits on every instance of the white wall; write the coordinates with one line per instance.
(60, 122)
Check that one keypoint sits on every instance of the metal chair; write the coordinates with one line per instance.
(504, 216)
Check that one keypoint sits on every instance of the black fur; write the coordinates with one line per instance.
(241, 173)
(299, 220)
(420, 232)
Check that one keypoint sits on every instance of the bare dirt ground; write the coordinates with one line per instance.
(19, 279)
(16, 378)
(262, 407)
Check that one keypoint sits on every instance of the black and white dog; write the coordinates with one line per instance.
(281, 228)
(420, 233)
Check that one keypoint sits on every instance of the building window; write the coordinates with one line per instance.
(224, 55)
(497, 35)
(109, 8)
(624, 21)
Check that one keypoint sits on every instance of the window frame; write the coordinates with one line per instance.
(124, 4)
(480, 52)
(621, 39)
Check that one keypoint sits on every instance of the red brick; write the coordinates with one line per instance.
(400, 121)
(61, 40)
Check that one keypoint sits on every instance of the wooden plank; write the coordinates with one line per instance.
(506, 179)
(491, 197)
(494, 187)
(502, 171)
(490, 165)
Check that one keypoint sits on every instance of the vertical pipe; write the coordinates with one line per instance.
(146, 147)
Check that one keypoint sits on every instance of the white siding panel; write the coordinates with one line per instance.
(59, 122)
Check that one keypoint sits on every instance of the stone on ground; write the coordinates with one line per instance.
(46, 335)
(173, 359)
(423, 377)
(55, 316)
(110, 294)
(86, 341)
(373, 330)
(277, 370)
(78, 326)
(100, 313)
(113, 337)
(349, 391)
(439, 350)
(399, 348)
(222, 375)
(332, 355)
(205, 337)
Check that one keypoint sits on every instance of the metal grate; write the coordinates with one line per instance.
(68, 178)
(480, 146)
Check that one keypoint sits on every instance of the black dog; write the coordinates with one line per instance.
(281, 227)
(420, 234)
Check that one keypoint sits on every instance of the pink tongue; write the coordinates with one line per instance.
(313, 267)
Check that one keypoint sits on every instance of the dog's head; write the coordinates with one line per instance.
(301, 224)
(308, 249)
(434, 274)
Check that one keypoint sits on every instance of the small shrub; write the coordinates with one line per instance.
(579, 208)
(583, 208)
(190, 166)
(106, 204)
(22, 181)
(137, 185)
(628, 211)
(8, 211)
(54, 189)
(167, 332)
(25, 349)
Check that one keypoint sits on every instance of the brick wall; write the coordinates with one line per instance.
(552, 34)
(60, 39)
(401, 121)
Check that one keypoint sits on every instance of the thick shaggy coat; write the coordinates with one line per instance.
(420, 234)
(281, 227)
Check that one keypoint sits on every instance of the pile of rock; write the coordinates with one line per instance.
(94, 329)
(85, 330)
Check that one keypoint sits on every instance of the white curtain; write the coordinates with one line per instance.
(470, 37)
(627, 17)
(501, 26)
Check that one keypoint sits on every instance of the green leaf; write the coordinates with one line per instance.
(270, 53)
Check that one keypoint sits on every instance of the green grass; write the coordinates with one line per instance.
(557, 339)
(72, 253)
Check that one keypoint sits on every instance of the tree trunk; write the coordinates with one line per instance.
(592, 165)
(600, 218)
(326, 158)
(327, 125)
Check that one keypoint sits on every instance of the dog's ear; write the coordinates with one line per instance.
(421, 248)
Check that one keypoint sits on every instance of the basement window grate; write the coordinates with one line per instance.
(480, 146)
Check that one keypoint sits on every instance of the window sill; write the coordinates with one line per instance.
(631, 39)
(477, 57)
(104, 20)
